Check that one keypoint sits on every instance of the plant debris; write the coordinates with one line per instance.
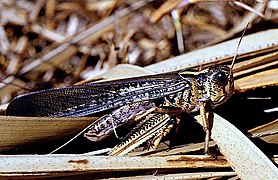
(47, 44)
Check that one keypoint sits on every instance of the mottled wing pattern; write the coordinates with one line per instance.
(57, 102)
(83, 100)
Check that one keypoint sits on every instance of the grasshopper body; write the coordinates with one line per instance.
(178, 89)
(128, 100)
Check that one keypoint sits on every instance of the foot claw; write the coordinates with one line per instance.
(207, 152)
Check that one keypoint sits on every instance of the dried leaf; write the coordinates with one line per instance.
(267, 132)
(18, 132)
(261, 79)
(240, 152)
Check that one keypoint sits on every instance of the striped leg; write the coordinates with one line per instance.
(152, 128)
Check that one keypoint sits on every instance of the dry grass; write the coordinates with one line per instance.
(45, 44)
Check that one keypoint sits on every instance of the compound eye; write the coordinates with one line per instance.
(222, 78)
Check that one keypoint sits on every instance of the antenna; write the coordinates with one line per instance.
(66, 143)
(236, 53)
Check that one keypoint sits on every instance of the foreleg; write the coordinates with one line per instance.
(207, 125)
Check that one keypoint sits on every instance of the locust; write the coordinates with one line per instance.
(153, 101)
(145, 98)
